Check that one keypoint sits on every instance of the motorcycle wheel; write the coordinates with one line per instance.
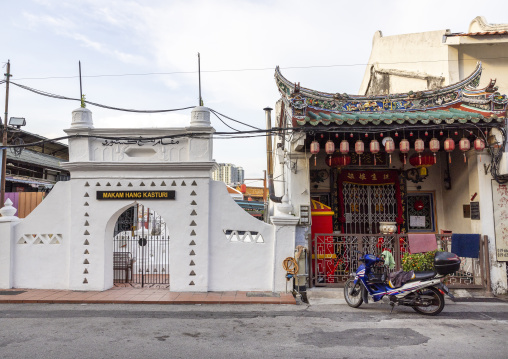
(437, 302)
(353, 293)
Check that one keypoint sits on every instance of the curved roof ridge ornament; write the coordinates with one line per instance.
(288, 88)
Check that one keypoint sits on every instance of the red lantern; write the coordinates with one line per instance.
(449, 146)
(464, 146)
(434, 147)
(422, 161)
(314, 149)
(389, 147)
(338, 161)
(479, 146)
(419, 147)
(359, 149)
(404, 148)
(374, 148)
(329, 147)
(344, 147)
(243, 188)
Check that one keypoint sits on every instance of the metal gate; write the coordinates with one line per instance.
(140, 248)
(367, 205)
(334, 257)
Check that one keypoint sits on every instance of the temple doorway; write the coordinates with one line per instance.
(141, 248)
(367, 198)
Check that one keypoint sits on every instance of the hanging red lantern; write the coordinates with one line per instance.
(374, 148)
(404, 148)
(479, 146)
(344, 147)
(419, 147)
(434, 147)
(389, 147)
(329, 147)
(338, 161)
(422, 161)
(314, 149)
(359, 149)
(464, 146)
(449, 146)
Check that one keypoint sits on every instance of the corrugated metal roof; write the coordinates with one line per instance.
(36, 158)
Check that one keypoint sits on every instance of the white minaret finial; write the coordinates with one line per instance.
(200, 117)
(82, 118)
(8, 210)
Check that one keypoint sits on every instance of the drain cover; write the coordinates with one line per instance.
(262, 294)
(11, 292)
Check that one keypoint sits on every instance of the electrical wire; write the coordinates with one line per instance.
(220, 119)
(60, 97)
(255, 69)
(48, 94)
(232, 119)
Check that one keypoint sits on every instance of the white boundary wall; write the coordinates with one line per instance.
(67, 241)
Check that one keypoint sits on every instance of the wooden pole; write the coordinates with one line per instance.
(4, 140)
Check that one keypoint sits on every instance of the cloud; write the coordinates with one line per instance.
(67, 27)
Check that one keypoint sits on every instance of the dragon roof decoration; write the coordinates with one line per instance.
(460, 102)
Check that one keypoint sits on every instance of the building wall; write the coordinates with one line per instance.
(229, 174)
(419, 54)
(417, 62)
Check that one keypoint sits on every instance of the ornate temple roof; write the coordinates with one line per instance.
(456, 103)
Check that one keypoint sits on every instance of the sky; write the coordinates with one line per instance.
(143, 55)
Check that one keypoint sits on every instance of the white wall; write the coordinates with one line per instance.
(67, 241)
(238, 262)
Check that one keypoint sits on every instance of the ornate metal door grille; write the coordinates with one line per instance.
(367, 205)
(140, 248)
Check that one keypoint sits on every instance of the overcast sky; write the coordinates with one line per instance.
(121, 42)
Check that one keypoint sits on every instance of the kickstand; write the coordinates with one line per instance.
(393, 306)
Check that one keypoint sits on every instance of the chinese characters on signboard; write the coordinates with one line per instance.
(500, 199)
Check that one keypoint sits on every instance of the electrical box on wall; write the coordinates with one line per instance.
(304, 214)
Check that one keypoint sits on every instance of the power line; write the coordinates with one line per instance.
(255, 69)
(60, 97)
(48, 94)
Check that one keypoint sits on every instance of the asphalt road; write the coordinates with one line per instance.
(462, 330)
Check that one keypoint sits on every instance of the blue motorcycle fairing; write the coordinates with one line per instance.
(376, 290)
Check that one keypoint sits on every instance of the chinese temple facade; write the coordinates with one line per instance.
(391, 165)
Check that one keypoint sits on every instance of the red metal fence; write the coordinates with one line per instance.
(333, 258)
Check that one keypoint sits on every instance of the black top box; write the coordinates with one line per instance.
(446, 263)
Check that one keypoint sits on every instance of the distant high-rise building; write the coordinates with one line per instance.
(229, 174)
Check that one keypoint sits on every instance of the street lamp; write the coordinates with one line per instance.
(17, 122)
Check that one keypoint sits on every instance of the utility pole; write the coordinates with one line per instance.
(199, 77)
(4, 140)
(264, 186)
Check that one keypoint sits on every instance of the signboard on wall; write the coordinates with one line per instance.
(500, 202)
(129, 195)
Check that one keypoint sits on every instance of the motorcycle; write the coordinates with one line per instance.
(423, 291)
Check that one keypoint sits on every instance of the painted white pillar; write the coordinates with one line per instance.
(284, 243)
(7, 223)
(481, 184)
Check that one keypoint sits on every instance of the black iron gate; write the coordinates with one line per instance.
(140, 248)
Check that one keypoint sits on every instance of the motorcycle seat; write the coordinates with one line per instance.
(422, 276)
